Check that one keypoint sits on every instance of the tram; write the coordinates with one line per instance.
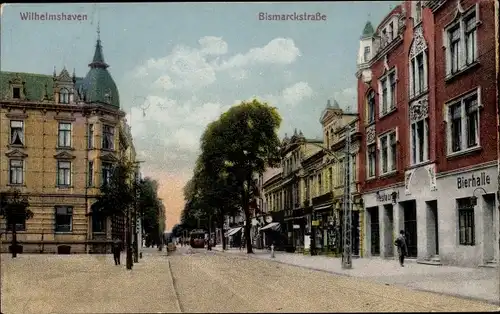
(197, 239)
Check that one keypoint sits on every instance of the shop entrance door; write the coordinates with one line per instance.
(410, 223)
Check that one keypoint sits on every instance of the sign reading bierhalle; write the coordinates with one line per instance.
(473, 181)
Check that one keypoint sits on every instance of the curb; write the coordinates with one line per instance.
(177, 302)
(349, 275)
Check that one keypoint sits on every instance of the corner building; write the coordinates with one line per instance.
(416, 89)
(60, 135)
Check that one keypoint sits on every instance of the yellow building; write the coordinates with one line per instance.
(323, 181)
(60, 135)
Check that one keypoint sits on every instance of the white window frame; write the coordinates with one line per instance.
(417, 17)
(11, 182)
(90, 140)
(385, 80)
(462, 47)
(64, 142)
(368, 161)
(464, 134)
(415, 147)
(414, 76)
(111, 135)
(387, 136)
(61, 181)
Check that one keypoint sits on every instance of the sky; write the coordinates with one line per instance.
(178, 66)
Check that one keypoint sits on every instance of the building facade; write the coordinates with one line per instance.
(419, 78)
(61, 135)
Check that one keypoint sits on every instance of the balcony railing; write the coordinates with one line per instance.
(322, 199)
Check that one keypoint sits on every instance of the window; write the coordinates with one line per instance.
(106, 173)
(390, 31)
(392, 88)
(63, 173)
(16, 93)
(327, 139)
(20, 223)
(463, 120)
(387, 152)
(16, 132)
(64, 96)
(418, 75)
(387, 88)
(108, 138)
(419, 141)
(455, 49)
(320, 185)
(64, 219)
(98, 223)
(311, 186)
(466, 227)
(371, 107)
(418, 12)
(470, 39)
(15, 171)
(366, 55)
(330, 177)
(64, 134)
(90, 174)
(372, 155)
(461, 44)
(90, 143)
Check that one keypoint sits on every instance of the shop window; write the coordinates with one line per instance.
(466, 226)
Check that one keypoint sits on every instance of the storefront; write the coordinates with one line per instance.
(326, 230)
(469, 216)
(295, 222)
(410, 206)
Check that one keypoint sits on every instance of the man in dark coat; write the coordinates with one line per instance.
(400, 243)
(117, 249)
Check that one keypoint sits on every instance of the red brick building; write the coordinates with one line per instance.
(410, 76)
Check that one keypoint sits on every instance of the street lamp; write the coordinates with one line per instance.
(136, 231)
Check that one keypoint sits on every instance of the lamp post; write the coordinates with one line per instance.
(135, 218)
(129, 260)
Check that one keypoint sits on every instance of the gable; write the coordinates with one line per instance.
(64, 155)
(15, 153)
(109, 157)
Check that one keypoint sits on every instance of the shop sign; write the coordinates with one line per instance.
(315, 223)
(473, 181)
(296, 226)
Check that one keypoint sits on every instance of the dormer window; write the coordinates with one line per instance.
(16, 93)
(107, 97)
(390, 31)
(64, 96)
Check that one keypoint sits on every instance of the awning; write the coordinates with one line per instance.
(233, 231)
(272, 225)
(322, 207)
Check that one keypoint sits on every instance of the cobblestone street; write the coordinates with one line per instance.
(202, 282)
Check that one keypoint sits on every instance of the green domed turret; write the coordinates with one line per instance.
(368, 31)
(98, 86)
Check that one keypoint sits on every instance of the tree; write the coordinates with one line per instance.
(14, 209)
(244, 141)
(150, 208)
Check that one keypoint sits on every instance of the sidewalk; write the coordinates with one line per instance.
(474, 283)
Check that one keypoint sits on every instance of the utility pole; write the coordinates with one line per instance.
(497, 64)
(347, 228)
(129, 261)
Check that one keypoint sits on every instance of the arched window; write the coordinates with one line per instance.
(327, 139)
(64, 96)
(370, 107)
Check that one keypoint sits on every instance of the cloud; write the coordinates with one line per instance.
(190, 68)
(212, 45)
(296, 93)
(277, 51)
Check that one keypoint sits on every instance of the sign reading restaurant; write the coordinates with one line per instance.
(473, 181)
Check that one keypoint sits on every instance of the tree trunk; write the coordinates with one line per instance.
(221, 218)
(14, 241)
(246, 208)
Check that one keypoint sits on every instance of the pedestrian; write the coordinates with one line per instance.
(117, 248)
(400, 243)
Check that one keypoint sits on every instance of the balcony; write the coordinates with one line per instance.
(322, 199)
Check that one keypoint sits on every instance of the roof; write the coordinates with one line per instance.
(98, 86)
(36, 85)
(368, 31)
